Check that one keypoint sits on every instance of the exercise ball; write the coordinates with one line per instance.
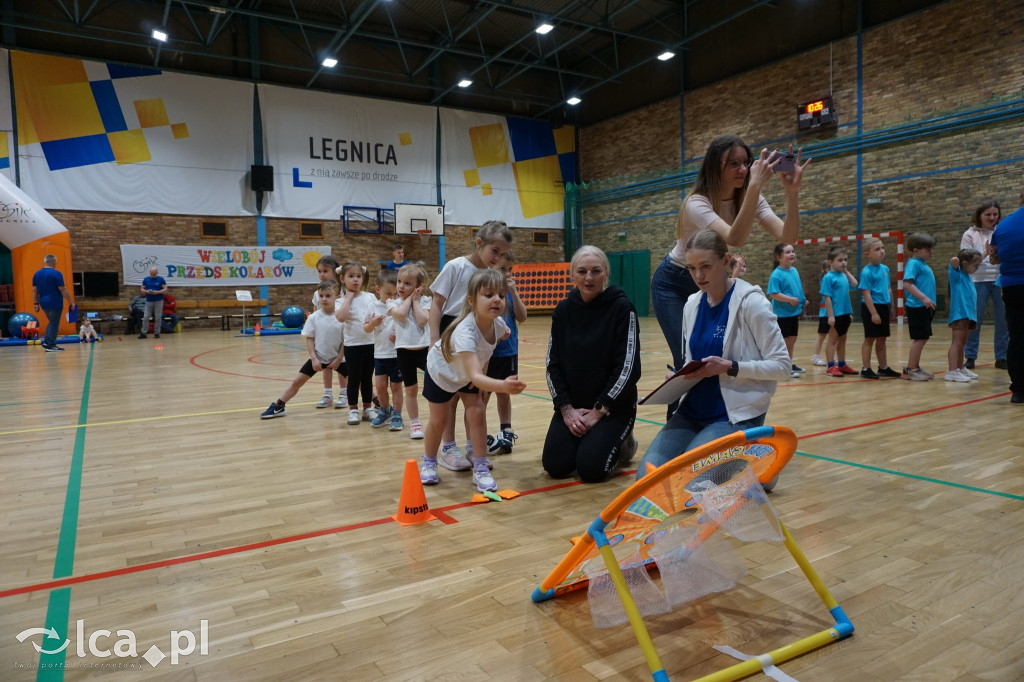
(293, 317)
(19, 320)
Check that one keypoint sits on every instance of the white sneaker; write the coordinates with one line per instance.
(967, 373)
(353, 417)
(416, 430)
(341, 403)
(326, 401)
(955, 375)
(369, 414)
(451, 458)
(818, 362)
(483, 480)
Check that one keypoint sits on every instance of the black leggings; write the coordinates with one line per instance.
(360, 374)
(594, 455)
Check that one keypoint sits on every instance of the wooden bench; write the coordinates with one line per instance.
(185, 308)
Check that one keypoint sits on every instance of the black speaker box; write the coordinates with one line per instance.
(261, 178)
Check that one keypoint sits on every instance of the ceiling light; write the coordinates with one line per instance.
(465, 83)
(329, 62)
(217, 9)
(666, 55)
(545, 29)
(159, 35)
(573, 101)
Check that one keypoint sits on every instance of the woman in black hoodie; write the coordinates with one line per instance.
(593, 366)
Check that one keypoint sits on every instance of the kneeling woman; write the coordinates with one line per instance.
(592, 370)
(729, 324)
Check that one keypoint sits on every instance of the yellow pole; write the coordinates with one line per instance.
(636, 621)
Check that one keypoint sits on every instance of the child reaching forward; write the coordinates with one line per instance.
(874, 310)
(963, 311)
(323, 334)
(87, 332)
(385, 358)
(456, 367)
(449, 292)
(410, 312)
(835, 294)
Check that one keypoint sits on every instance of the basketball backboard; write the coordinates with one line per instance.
(412, 219)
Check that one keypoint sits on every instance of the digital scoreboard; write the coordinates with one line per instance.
(816, 113)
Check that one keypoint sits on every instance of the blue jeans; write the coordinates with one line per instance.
(682, 434)
(670, 287)
(53, 325)
(986, 291)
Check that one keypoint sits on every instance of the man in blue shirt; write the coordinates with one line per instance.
(1008, 247)
(153, 287)
(49, 292)
(397, 257)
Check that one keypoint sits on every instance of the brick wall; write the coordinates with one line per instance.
(964, 54)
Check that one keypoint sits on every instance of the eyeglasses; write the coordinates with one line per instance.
(733, 164)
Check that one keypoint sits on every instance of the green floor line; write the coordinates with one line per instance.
(913, 476)
(51, 666)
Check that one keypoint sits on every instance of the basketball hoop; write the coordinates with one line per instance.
(424, 236)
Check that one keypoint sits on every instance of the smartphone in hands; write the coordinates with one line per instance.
(786, 162)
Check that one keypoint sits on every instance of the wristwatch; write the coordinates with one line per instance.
(602, 409)
(734, 370)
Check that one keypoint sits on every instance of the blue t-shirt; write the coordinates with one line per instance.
(875, 278)
(786, 282)
(154, 284)
(923, 278)
(509, 346)
(703, 403)
(48, 282)
(963, 298)
(1009, 239)
(396, 266)
(836, 286)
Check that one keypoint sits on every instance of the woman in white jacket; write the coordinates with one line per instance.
(730, 326)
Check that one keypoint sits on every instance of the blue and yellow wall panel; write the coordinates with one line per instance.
(542, 160)
(79, 120)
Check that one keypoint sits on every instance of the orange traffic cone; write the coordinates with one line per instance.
(256, 331)
(412, 504)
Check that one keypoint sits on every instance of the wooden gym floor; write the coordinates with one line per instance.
(146, 477)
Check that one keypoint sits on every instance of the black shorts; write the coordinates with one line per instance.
(388, 366)
(872, 330)
(308, 370)
(789, 326)
(919, 322)
(445, 321)
(409, 359)
(435, 394)
(503, 368)
(842, 324)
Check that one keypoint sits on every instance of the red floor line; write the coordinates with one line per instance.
(192, 360)
(54, 584)
(902, 416)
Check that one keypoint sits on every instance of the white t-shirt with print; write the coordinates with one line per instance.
(408, 334)
(467, 338)
(453, 284)
(327, 333)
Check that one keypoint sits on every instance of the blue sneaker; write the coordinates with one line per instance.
(274, 410)
(396, 421)
(382, 417)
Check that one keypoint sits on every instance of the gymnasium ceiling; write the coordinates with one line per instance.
(602, 51)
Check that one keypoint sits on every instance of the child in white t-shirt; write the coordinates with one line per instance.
(457, 366)
(323, 334)
(87, 332)
(385, 359)
(326, 270)
(354, 309)
(411, 313)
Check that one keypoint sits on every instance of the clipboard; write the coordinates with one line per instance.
(72, 314)
(673, 387)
